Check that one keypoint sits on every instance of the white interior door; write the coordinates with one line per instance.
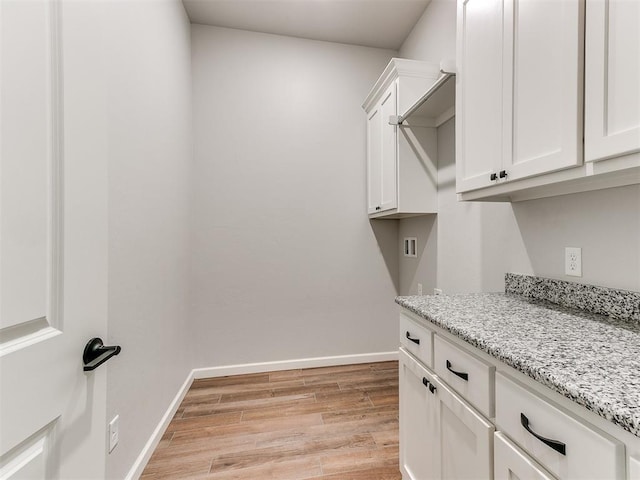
(53, 234)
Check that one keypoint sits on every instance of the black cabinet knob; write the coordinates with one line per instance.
(503, 173)
(494, 177)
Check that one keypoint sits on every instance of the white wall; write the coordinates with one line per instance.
(285, 263)
(605, 223)
(150, 154)
(478, 242)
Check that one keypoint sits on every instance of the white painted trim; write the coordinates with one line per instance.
(152, 443)
(154, 439)
(294, 364)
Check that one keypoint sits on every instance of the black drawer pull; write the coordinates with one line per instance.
(493, 176)
(464, 376)
(556, 445)
(414, 340)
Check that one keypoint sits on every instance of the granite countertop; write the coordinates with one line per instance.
(590, 358)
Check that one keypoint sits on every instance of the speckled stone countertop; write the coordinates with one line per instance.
(591, 359)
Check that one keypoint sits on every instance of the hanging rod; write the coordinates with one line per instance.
(398, 119)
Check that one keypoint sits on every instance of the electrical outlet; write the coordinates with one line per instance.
(419, 289)
(113, 432)
(573, 261)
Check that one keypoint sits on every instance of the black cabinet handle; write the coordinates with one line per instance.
(464, 376)
(414, 340)
(377, 208)
(494, 176)
(432, 388)
(555, 444)
(503, 173)
(96, 353)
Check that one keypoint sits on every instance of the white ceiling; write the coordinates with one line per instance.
(372, 23)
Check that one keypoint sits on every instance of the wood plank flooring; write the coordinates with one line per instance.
(330, 423)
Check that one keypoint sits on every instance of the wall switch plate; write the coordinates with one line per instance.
(419, 289)
(410, 247)
(113, 432)
(573, 261)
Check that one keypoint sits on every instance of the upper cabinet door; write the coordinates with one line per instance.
(612, 79)
(374, 159)
(382, 157)
(389, 187)
(542, 86)
(479, 143)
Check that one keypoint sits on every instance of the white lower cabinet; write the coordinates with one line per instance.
(444, 433)
(419, 427)
(466, 439)
(511, 463)
(441, 436)
(634, 468)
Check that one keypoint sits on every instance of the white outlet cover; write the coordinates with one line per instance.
(573, 261)
(410, 247)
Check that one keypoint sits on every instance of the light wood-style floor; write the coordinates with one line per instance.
(324, 423)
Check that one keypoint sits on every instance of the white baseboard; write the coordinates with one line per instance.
(152, 443)
(293, 364)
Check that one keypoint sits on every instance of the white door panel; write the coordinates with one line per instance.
(479, 99)
(389, 159)
(612, 76)
(542, 86)
(52, 239)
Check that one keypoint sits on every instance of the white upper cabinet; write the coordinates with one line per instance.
(519, 89)
(612, 79)
(402, 158)
(546, 92)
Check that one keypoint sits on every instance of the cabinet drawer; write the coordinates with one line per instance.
(510, 462)
(469, 376)
(563, 444)
(416, 339)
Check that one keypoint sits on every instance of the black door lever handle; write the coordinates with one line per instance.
(96, 353)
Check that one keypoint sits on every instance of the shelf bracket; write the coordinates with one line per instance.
(399, 119)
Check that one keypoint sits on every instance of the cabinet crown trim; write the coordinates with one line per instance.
(400, 67)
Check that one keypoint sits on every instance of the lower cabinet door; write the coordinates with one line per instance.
(634, 468)
(441, 435)
(466, 438)
(419, 422)
(511, 463)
